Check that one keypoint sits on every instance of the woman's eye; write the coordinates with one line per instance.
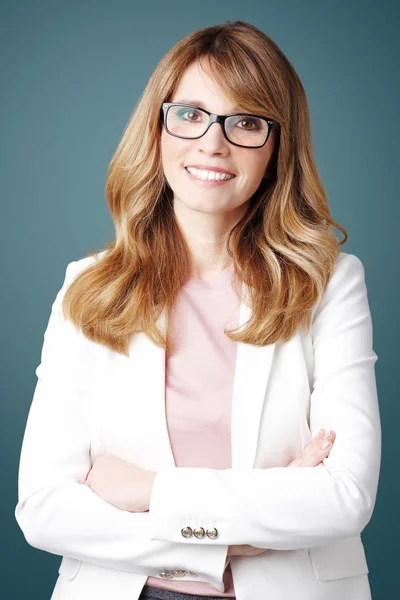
(253, 124)
(188, 115)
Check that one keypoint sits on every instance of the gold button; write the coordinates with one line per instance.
(212, 533)
(187, 532)
(199, 532)
(178, 573)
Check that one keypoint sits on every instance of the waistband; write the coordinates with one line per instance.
(154, 593)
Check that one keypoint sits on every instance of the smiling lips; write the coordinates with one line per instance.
(212, 174)
(209, 168)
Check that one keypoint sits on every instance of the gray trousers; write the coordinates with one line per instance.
(153, 593)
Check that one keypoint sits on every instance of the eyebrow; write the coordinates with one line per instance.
(201, 104)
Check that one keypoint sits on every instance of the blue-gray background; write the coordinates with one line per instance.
(71, 73)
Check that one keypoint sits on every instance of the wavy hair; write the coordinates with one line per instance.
(283, 248)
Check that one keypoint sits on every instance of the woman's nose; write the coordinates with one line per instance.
(213, 138)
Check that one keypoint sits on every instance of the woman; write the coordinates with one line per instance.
(127, 468)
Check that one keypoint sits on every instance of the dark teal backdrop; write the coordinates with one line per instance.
(71, 73)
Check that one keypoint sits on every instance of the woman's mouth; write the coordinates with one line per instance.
(208, 178)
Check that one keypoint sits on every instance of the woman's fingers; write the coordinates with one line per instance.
(244, 550)
(315, 452)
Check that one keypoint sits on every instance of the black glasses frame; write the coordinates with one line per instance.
(215, 119)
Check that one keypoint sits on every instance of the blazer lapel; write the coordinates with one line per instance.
(253, 365)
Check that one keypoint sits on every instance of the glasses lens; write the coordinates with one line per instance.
(246, 130)
(190, 122)
(186, 121)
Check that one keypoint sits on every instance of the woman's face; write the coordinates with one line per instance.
(249, 165)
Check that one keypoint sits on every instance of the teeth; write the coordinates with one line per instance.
(209, 175)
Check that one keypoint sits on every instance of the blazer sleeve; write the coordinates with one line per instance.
(56, 511)
(288, 508)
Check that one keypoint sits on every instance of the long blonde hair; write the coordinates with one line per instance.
(283, 249)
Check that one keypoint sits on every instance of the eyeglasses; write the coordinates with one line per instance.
(191, 122)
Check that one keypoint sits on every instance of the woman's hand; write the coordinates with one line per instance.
(315, 452)
(244, 550)
(121, 483)
(312, 455)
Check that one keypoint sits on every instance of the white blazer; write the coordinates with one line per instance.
(90, 400)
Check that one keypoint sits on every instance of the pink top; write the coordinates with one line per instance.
(198, 390)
